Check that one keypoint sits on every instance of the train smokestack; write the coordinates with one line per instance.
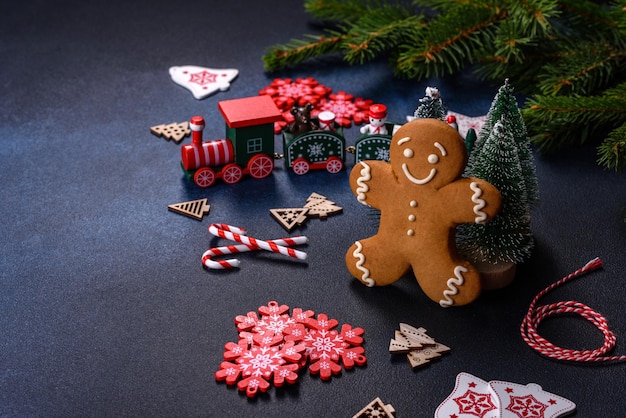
(196, 124)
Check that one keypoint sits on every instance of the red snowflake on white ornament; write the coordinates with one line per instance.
(475, 403)
(202, 78)
(526, 407)
(346, 108)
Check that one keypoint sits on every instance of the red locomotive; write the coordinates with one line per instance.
(247, 149)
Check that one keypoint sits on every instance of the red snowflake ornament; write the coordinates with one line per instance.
(286, 93)
(327, 349)
(274, 345)
(273, 321)
(346, 108)
(253, 368)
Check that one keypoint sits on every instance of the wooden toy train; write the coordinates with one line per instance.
(248, 148)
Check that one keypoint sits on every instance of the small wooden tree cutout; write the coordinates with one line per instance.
(195, 209)
(321, 207)
(376, 409)
(316, 206)
(290, 217)
(174, 131)
(417, 345)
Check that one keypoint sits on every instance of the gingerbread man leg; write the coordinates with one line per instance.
(375, 264)
(449, 282)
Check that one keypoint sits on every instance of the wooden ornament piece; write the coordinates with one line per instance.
(411, 343)
(376, 409)
(316, 206)
(290, 217)
(422, 356)
(419, 348)
(174, 131)
(195, 209)
(321, 207)
(416, 334)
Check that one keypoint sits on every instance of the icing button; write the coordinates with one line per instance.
(412, 218)
(410, 232)
(413, 203)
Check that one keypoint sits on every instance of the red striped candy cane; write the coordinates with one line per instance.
(535, 315)
(247, 244)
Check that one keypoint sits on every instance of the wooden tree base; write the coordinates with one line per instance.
(496, 276)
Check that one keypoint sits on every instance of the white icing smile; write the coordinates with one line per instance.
(432, 159)
(415, 180)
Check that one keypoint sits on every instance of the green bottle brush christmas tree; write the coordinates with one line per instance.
(569, 57)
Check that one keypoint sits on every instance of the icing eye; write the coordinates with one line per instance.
(433, 159)
(408, 153)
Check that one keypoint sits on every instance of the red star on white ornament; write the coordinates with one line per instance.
(202, 78)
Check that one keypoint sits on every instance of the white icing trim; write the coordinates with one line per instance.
(416, 180)
(362, 182)
(403, 140)
(365, 277)
(452, 289)
(441, 148)
(479, 203)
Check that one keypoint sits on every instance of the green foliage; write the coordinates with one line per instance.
(557, 121)
(611, 148)
(566, 55)
(501, 155)
(505, 111)
(507, 237)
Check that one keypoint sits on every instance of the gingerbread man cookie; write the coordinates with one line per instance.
(422, 198)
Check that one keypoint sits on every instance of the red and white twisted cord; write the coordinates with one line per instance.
(233, 233)
(536, 315)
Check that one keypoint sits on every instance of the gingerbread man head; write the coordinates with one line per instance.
(427, 152)
(422, 197)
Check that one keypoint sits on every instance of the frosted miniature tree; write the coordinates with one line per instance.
(431, 105)
(504, 108)
(507, 237)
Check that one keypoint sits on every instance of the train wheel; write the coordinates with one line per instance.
(260, 166)
(334, 165)
(232, 173)
(204, 177)
(300, 166)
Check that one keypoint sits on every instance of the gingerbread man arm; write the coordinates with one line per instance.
(371, 181)
(470, 200)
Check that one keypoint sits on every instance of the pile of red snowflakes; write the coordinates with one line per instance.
(287, 93)
(274, 346)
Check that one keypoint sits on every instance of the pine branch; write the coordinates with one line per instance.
(612, 151)
(583, 69)
(565, 52)
(338, 11)
(296, 50)
(556, 121)
(448, 43)
(375, 33)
